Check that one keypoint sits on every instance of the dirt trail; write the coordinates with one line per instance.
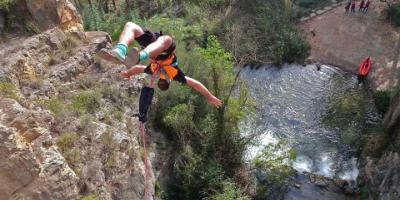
(344, 40)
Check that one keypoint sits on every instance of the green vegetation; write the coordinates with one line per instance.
(55, 105)
(110, 149)
(256, 32)
(64, 51)
(230, 191)
(382, 101)
(66, 141)
(90, 197)
(209, 152)
(5, 4)
(345, 113)
(275, 161)
(304, 7)
(72, 155)
(108, 140)
(346, 108)
(14, 22)
(375, 142)
(8, 90)
(209, 148)
(393, 14)
(86, 102)
(263, 32)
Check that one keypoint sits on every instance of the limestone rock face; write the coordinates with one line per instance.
(31, 166)
(101, 156)
(51, 13)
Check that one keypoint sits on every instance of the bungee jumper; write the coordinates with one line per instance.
(160, 50)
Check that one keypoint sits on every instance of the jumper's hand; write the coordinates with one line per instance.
(214, 101)
(125, 74)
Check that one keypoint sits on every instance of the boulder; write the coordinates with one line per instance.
(50, 13)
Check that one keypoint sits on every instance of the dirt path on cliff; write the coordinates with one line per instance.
(344, 40)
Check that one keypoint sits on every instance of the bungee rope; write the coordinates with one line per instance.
(147, 194)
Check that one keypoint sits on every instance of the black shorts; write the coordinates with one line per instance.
(149, 37)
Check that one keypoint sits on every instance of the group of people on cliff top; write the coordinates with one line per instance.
(351, 5)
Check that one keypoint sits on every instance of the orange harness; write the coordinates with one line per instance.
(167, 67)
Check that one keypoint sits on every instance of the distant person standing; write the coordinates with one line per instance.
(353, 6)
(347, 6)
(361, 6)
(366, 6)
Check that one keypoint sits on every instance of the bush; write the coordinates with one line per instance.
(291, 47)
(86, 102)
(5, 4)
(274, 165)
(56, 106)
(263, 32)
(304, 7)
(275, 160)
(230, 191)
(393, 14)
(90, 197)
(73, 157)
(179, 120)
(66, 141)
(382, 101)
(8, 90)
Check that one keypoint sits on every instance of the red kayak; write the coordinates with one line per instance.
(365, 67)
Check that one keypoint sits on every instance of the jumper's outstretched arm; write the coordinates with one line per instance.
(137, 69)
(196, 85)
(199, 87)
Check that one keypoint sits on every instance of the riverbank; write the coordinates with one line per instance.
(344, 40)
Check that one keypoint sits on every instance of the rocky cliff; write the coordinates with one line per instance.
(380, 173)
(66, 125)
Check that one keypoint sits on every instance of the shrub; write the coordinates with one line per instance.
(56, 106)
(90, 197)
(382, 101)
(393, 14)
(263, 32)
(230, 191)
(5, 4)
(86, 102)
(73, 156)
(274, 165)
(179, 120)
(291, 47)
(117, 113)
(275, 160)
(8, 90)
(66, 141)
(108, 140)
